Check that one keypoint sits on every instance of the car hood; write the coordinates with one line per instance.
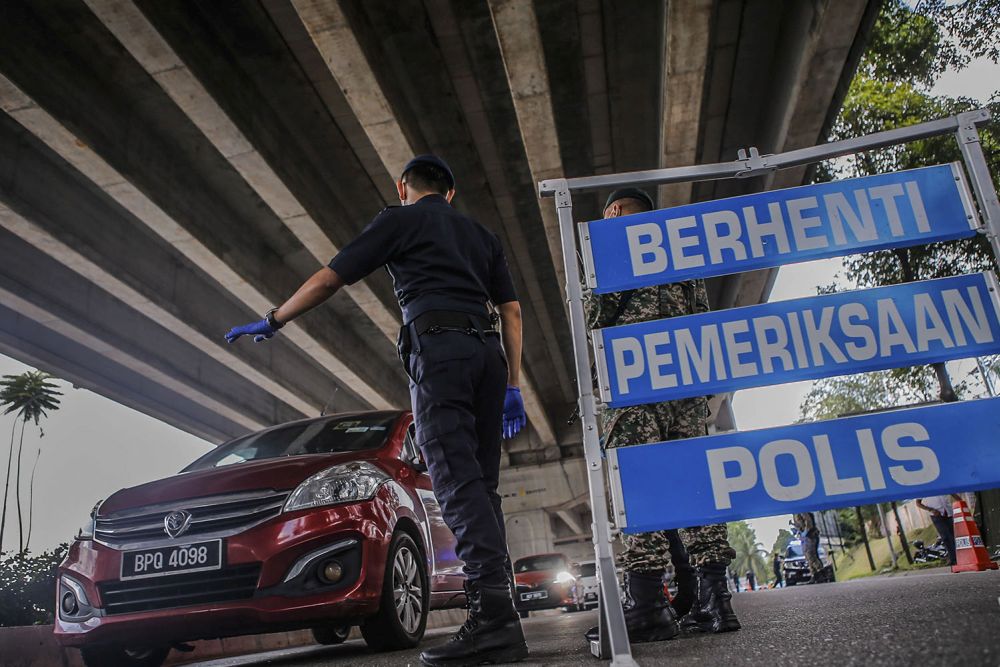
(283, 473)
(534, 578)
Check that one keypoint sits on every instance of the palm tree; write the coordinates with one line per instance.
(749, 552)
(29, 394)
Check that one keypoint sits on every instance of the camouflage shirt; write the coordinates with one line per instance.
(647, 303)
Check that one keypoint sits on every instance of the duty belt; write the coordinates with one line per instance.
(439, 321)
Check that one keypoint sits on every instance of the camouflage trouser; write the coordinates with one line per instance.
(810, 548)
(656, 422)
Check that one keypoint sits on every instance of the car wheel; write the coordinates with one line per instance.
(331, 635)
(524, 614)
(402, 614)
(117, 656)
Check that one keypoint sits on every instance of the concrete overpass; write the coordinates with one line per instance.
(168, 169)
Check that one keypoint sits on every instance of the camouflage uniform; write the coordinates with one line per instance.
(655, 422)
(806, 523)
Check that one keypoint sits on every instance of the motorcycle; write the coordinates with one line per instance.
(929, 554)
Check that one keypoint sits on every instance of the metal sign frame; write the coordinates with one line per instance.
(613, 644)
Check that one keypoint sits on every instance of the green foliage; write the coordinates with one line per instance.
(29, 394)
(849, 530)
(908, 51)
(781, 542)
(973, 24)
(28, 587)
(749, 552)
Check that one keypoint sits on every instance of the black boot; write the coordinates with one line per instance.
(712, 611)
(648, 615)
(491, 633)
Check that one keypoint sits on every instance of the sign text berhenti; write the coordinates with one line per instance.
(800, 339)
(870, 458)
(778, 227)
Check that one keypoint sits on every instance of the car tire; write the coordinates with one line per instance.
(399, 625)
(117, 656)
(331, 635)
(524, 614)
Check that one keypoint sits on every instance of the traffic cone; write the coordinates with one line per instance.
(970, 554)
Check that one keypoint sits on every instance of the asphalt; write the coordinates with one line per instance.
(920, 620)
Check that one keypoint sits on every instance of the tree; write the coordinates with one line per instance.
(30, 395)
(781, 542)
(749, 552)
(909, 50)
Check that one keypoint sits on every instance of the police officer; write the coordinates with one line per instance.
(703, 594)
(464, 376)
(805, 522)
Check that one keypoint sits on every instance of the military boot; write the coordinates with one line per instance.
(712, 610)
(491, 633)
(648, 615)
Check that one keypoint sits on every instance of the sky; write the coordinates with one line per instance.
(94, 446)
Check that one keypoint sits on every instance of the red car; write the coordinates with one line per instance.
(545, 581)
(322, 523)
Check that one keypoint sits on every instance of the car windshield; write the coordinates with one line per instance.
(319, 436)
(794, 551)
(588, 570)
(537, 563)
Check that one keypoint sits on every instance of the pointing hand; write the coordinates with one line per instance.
(514, 418)
(261, 330)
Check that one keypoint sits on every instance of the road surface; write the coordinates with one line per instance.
(919, 620)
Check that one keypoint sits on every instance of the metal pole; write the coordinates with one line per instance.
(755, 164)
(986, 377)
(888, 535)
(979, 173)
(613, 643)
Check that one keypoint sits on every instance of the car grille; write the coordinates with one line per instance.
(180, 590)
(211, 517)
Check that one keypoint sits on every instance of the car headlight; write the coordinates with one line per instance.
(565, 578)
(345, 483)
(87, 530)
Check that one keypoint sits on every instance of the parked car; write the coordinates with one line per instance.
(545, 581)
(586, 582)
(796, 570)
(322, 523)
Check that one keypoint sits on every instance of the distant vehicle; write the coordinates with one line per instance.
(545, 581)
(586, 582)
(796, 570)
(321, 523)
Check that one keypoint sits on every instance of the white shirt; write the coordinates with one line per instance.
(940, 503)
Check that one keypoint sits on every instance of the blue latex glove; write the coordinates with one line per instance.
(514, 418)
(259, 330)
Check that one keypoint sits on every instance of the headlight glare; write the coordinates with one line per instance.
(345, 483)
(565, 578)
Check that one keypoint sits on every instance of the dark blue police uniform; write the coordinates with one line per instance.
(445, 268)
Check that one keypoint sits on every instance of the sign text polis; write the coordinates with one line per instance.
(910, 453)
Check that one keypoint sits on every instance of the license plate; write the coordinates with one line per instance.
(180, 559)
(590, 596)
(534, 595)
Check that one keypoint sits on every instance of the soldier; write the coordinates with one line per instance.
(648, 614)
(446, 269)
(805, 522)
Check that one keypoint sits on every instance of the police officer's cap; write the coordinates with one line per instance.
(434, 161)
(630, 193)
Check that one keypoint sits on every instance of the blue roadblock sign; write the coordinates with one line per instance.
(769, 229)
(910, 453)
(800, 339)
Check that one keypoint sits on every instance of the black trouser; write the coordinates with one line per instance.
(457, 391)
(945, 526)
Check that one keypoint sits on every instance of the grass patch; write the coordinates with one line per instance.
(853, 564)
